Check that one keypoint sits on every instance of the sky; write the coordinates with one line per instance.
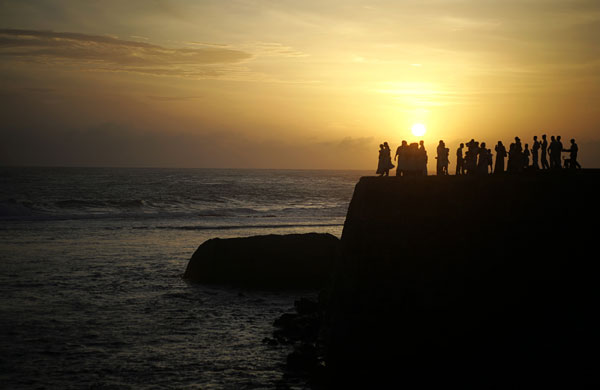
(290, 84)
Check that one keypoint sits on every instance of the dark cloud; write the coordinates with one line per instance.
(113, 54)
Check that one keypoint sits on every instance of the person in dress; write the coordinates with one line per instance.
(423, 157)
(380, 161)
(500, 156)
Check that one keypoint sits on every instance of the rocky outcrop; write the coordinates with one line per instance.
(474, 281)
(271, 261)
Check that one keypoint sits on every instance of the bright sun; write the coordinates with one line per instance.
(418, 129)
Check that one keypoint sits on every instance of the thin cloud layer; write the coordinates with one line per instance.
(113, 54)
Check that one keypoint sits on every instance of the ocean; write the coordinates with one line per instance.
(91, 294)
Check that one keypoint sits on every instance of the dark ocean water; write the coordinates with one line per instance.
(91, 294)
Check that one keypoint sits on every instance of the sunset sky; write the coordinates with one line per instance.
(290, 84)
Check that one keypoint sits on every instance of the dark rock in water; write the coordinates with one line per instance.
(272, 261)
(471, 281)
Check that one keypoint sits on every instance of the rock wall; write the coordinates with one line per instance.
(477, 281)
(271, 261)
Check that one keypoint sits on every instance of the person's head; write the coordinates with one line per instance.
(441, 142)
(543, 136)
(535, 137)
(517, 140)
(558, 138)
(421, 142)
(380, 146)
(573, 140)
(404, 143)
(462, 145)
(551, 138)
(385, 144)
(476, 143)
(526, 146)
(499, 143)
(483, 145)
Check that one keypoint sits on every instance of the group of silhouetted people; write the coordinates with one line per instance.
(478, 159)
(411, 159)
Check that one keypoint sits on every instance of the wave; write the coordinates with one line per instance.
(236, 227)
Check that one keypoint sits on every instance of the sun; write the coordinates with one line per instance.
(418, 129)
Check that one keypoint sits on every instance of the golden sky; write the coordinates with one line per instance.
(290, 84)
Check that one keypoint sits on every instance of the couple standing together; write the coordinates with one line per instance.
(412, 159)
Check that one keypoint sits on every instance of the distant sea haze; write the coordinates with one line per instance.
(91, 262)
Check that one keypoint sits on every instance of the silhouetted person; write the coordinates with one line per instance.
(460, 167)
(483, 162)
(544, 148)
(510, 166)
(518, 157)
(500, 156)
(571, 162)
(535, 148)
(471, 156)
(423, 158)
(554, 153)
(387, 160)
(442, 159)
(413, 160)
(402, 157)
(380, 162)
(526, 155)
(559, 150)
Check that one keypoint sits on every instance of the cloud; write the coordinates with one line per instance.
(118, 144)
(113, 54)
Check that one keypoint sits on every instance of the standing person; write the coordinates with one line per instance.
(482, 163)
(559, 150)
(526, 155)
(552, 152)
(380, 162)
(387, 159)
(544, 148)
(518, 155)
(500, 156)
(423, 157)
(571, 162)
(402, 156)
(413, 165)
(442, 159)
(460, 167)
(471, 156)
(535, 152)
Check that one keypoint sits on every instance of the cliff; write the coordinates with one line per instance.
(476, 281)
(271, 261)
